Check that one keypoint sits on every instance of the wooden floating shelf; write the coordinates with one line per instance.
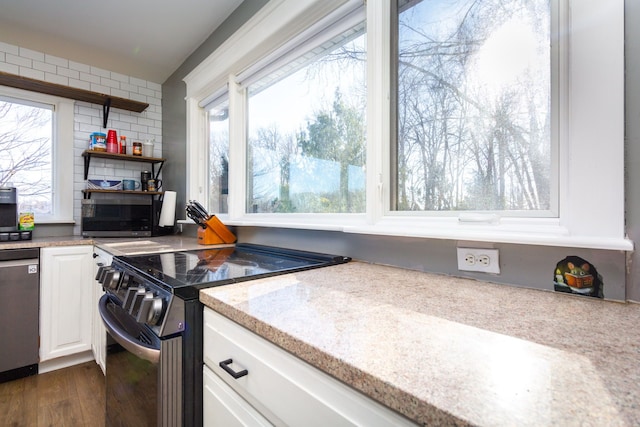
(143, 193)
(117, 156)
(107, 101)
(88, 154)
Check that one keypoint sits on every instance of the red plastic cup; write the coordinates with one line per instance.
(112, 142)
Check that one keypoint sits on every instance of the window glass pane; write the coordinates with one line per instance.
(306, 149)
(473, 118)
(26, 138)
(219, 158)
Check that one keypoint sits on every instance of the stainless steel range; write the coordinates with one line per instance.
(153, 316)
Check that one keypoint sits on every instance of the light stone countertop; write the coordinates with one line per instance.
(116, 245)
(451, 351)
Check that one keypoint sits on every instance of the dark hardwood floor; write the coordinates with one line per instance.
(67, 397)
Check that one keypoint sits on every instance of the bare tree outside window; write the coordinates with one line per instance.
(26, 131)
(473, 119)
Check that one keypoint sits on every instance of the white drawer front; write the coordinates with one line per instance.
(282, 387)
(223, 407)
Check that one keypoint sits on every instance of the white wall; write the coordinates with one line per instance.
(88, 118)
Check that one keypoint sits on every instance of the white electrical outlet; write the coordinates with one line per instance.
(479, 259)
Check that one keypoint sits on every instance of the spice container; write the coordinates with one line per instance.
(147, 148)
(123, 145)
(137, 149)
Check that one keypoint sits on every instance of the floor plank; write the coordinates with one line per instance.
(72, 396)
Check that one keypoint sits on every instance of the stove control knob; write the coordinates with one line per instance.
(137, 301)
(155, 313)
(111, 279)
(145, 314)
(129, 298)
(102, 272)
(124, 281)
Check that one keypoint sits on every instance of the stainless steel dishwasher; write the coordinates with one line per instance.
(19, 312)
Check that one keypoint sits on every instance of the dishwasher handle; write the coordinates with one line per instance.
(113, 322)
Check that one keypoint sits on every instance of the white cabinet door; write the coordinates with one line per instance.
(223, 407)
(66, 287)
(99, 334)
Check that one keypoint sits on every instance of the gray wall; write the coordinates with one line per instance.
(174, 110)
(632, 141)
(521, 265)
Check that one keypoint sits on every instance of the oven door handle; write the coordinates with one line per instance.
(127, 341)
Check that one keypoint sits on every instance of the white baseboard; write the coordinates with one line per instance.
(65, 362)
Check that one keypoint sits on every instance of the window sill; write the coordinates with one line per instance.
(539, 232)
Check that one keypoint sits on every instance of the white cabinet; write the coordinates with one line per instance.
(99, 333)
(223, 407)
(66, 287)
(282, 388)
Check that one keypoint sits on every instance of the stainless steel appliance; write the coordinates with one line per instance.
(118, 217)
(151, 310)
(19, 312)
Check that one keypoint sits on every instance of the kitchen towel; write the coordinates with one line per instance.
(168, 211)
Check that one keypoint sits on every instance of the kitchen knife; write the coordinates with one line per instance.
(194, 209)
(195, 217)
(201, 209)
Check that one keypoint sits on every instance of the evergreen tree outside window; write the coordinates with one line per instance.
(306, 144)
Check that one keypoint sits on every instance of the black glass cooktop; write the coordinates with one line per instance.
(187, 272)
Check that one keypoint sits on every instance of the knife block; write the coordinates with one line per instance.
(215, 233)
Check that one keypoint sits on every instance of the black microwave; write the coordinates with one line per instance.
(119, 217)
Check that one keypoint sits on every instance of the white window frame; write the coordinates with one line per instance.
(591, 172)
(62, 153)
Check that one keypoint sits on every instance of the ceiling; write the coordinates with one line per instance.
(147, 39)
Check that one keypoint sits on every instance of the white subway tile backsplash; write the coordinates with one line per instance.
(79, 84)
(18, 60)
(74, 74)
(120, 77)
(43, 66)
(147, 92)
(141, 98)
(55, 78)
(5, 67)
(87, 111)
(129, 87)
(31, 54)
(155, 86)
(100, 72)
(138, 128)
(9, 48)
(57, 61)
(88, 118)
(119, 93)
(31, 73)
(100, 89)
(109, 83)
(83, 68)
(138, 82)
(90, 78)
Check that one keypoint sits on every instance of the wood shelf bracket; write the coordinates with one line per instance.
(105, 112)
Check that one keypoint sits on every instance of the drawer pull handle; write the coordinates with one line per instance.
(225, 365)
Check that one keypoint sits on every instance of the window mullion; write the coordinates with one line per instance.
(378, 108)
(237, 149)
